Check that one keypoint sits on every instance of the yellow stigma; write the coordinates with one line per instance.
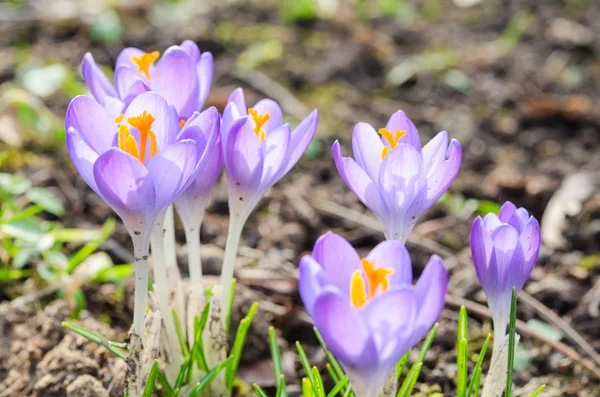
(361, 291)
(127, 143)
(259, 122)
(119, 118)
(143, 62)
(391, 138)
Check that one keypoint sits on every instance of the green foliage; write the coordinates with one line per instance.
(511, 343)
(299, 10)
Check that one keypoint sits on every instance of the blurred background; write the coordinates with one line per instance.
(516, 82)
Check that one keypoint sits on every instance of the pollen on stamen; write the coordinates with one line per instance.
(358, 296)
(259, 121)
(392, 138)
(119, 118)
(145, 61)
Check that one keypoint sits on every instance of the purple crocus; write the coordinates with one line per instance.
(504, 249)
(393, 176)
(183, 76)
(367, 310)
(139, 165)
(258, 150)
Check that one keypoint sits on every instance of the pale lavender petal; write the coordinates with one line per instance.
(338, 259)
(276, 117)
(367, 148)
(514, 274)
(205, 70)
(434, 153)
(125, 184)
(114, 107)
(311, 281)
(126, 56)
(343, 329)
(393, 254)
(505, 239)
(176, 80)
(530, 240)
(390, 318)
(237, 98)
(481, 250)
(430, 291)
(230, 115)
(507, 211)
(274, 154)
(166, 124)
(359, 182)
(399, 121)
(243, 156)
(191, 49)
(171, 169)
(96, 80)
(491, 222)
(515, 217)
(83, 157)
(301, 137)
(92, 123)
(129, 83)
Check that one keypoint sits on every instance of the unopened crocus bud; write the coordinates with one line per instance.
(367, 309)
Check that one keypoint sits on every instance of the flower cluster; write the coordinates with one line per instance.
(145, 144)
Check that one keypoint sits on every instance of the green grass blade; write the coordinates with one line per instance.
(259, 391)
(281, 392)
(94, 337)
(230, 312)
(332, 373)
(89, 248)
(416, 366)
(402, 364)
(332, 360)
(538, 391)
(462, 346)
(180, 334)
(427, 343)
(411, 379)
(150, 382)
(275, 355)
(212, 374)
(307, 388)
(318, 385)
(476, 378)
(338, 387)
(162, 379)
(511, 343)
(305, 364)
(238, 345)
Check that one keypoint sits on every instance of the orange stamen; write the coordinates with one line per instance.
(391, 138)
(259, 121)
(143, 123)
(152, 144)
(131, 146)
(181, 123)
(119, 118)
(361, 291)
(143, 62)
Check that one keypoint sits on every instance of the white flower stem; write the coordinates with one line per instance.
(236, 225)
(140, 253)
(169, 238)
(192, 236)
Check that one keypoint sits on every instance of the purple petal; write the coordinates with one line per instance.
(202, 127)
(171, 170)
(530, 240)
(359, 182)
(399, 121)
(513, 216)
(129, 83)
(311, 281)
(338, 259)
(491, 222)
(125, 184)
(205, 70)
(96, 80)
(243, 156)
(301, 137)
(393, 254)
(166, 124)
(481, 250)
(343, 330)
(507, 211)
(114, 107)
(434, 153)
(191, 50)
(505, 239)
(92, 123)
(83, 157)
(237, 98)
(125, 58)
(230, 115)
(276, 117)
(430, 291)
(176, 80)
(274, 153)
(391, 317)
(367, 148)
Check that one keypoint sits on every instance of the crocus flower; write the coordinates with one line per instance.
(393, 176)
(367, 310)
(504, 249)
(183, 76)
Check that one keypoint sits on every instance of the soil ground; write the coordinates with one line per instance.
(517, 82)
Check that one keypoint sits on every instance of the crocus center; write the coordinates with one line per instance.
(144, 61)
(259, 121)
(392, 139)
(366, 283)
(127, 143)
(182, 123)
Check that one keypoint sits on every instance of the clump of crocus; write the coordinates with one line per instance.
(366, 309)
(183, 76)
(505, 248)
(393, 176)
(138, 164)
(258, 150)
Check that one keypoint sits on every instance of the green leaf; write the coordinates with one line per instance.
(462, 352)
(318, 385)
(7, 274)
(476, 378)
(275, 355)
(115, 274)
(538, 391)
(45, 199)
(411, 379)
(94, 337)
(305, 363)
(45, 81)
(402, 364)
(338, 387)
(212, 374)
(299, 10)
(281, 392)
(89, 248)
(332, 360)
(511, 343)
(230, 311)
(238, 345)
(29, 230)
(307, 388)
(180, 334)
(14, 184)
(150, 382)
(259, 391)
